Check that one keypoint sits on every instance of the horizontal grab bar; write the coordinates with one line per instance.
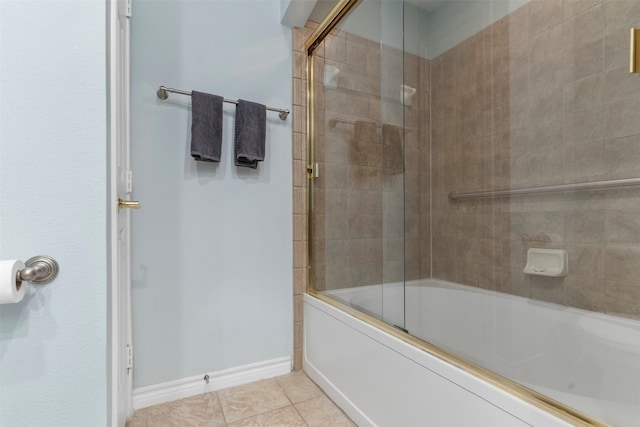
(596, 185)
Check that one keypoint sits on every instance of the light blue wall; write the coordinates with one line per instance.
(53, 184)
(212, 245)
(294, 13)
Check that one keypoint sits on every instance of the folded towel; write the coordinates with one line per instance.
(206, 126)
(392, 155)
(251, 130)
(366, 131)
(364, 148)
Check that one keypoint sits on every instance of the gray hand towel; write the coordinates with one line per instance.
(392, 153)
(206, 126)
(250, 133)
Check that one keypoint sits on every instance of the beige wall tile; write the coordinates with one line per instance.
(584, 94)
(513, 281)
(621, 264)
(544, 14)
(548, 289)
(364, 251)
(393, 271)
(585, 27)
(585, 293)
(586, 260)
(299, 65)
(370, 226)
(336, 226)
(297, 359)
(573, 7)
(585, 226)
(622, 299)
(619, 84)
(300, 92)
(517, 27)
(299, 146)
(621, 118)
(336, 251)
(616, 49)
(297, 332)
(583, 126)
(299, 119)
(299, 254)
(300, 36)
(622, 199)
(621, 157)
(299, 280)
(318, 278)
(362, 274)
(622, 227)
(620, 14)
(584, 162)
(299, 173)
(364, 202)
(299, 200)
(584, 60)
(335, 48)
(300, 227)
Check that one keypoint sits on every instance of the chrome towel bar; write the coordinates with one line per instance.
(163, 93)
(596, 185)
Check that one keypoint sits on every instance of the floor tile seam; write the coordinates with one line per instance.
(224, 417)
(323, 394)
(291, 401)
(146, 417)
(284, 391)
(293, 405)
(260, 413)
(300, 415)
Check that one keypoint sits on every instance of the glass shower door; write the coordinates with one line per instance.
(358, 213)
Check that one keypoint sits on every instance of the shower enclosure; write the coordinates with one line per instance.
(474, 182)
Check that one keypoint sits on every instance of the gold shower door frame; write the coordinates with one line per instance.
(540, 401)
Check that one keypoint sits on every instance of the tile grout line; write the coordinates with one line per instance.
(265, 412)
(291, 402)
(224, 417)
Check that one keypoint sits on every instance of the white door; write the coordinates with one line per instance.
(120, 237)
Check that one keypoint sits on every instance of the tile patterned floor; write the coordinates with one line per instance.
(291, 400)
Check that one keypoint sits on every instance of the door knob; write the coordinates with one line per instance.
(128, 204)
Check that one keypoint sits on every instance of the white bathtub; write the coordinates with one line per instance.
(586, 360)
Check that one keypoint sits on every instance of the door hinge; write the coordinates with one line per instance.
(129, 182)
(313, 171)
(128, 6)
(129, 357)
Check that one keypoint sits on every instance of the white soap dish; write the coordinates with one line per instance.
(547, 262)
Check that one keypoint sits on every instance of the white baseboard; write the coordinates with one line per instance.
(192, 386)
